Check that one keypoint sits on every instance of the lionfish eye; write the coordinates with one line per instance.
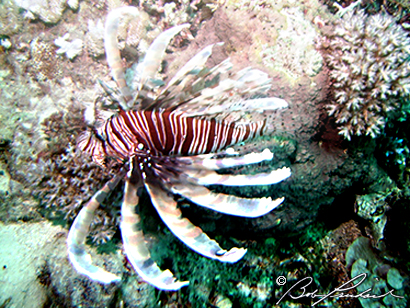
(97, 135)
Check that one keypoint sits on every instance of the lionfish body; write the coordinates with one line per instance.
(164, 133)
(171, 139)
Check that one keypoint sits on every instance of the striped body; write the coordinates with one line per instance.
(165, 133)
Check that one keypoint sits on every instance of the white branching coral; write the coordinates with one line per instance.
(369, 61)
(70, 49)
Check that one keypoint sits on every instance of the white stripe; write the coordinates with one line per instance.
(194, 128)
(163, 133)
(155, 117)
(182, 126)
(142, 121)
(175, 132)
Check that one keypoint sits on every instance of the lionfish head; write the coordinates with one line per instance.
(88, 142)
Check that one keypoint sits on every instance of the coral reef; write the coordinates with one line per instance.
(369, 61)
(373, 207)
(285, 55)
(289, 46)
(20, 119)
(47, 11)
(381, 277)
(45, 63)
(28, 138)
(335, 245)
(94, 39)
(178, 12)
(10, 21)
(323, 169)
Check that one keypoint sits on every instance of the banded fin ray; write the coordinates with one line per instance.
(207, 177)
(227, 204)
(113, 53)
(188, 233)
(227, 96)
(147, 69)
(209, 162)
(78, 256)
(135, 247)
(192, 67)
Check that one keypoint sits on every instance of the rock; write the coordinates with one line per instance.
(22, 252)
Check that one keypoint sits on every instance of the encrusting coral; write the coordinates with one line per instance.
(285, 54)
(369, 61)
(45, 64)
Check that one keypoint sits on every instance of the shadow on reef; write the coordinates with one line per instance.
(393, 155)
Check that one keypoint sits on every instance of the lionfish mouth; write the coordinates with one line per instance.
(172, 143)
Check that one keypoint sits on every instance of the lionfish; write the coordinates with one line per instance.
(170, 136)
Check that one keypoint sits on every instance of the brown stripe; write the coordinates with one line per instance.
(147, 263)
(85, 147)
(230, 129)
(170, 209)
(138, 119)
(100, 196)
(261, 132)
(193, 233)
(103, 148)
(247, 129)
(128, 219)
(211, 137)
(182, 223)
(169, 137)
(186, 142)
(135, 239)
(218, 134)
(202, 136)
